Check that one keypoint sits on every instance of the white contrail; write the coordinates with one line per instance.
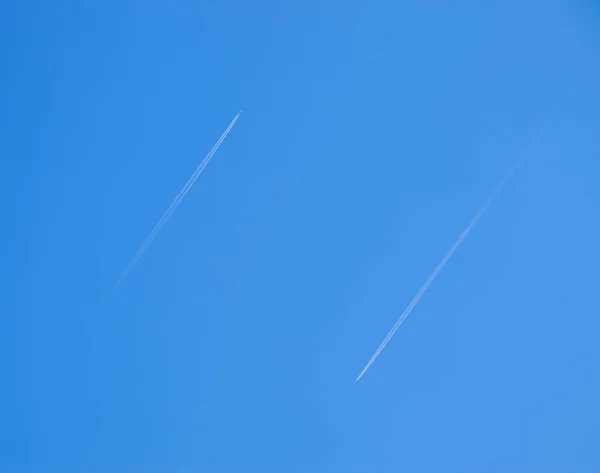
(440, 266)
(182, 193)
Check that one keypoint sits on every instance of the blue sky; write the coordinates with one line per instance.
(371, 134)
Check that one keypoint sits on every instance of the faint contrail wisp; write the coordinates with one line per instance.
(182, 193)
(440, 266)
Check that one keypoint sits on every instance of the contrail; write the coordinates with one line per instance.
(182, 193)
(441, 265)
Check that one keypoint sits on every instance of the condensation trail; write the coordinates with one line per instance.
(182, 193)
(441, 265)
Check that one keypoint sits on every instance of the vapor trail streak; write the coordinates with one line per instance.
(182, 193)
(440, 266)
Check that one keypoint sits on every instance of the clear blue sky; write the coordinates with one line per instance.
(371, 133)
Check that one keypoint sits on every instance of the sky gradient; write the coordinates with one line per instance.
(371, 134)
